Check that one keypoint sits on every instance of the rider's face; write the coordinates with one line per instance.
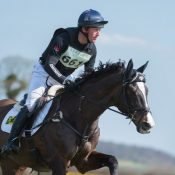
(93, 34)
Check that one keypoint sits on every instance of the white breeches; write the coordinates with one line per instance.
(38, 85)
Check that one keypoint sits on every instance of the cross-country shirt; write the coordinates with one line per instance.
(64, 54)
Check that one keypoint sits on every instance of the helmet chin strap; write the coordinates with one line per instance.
(85, 34)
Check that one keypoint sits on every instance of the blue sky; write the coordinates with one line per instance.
(141, 30)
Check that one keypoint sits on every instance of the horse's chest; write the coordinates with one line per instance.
(84, 149)
(87, 147)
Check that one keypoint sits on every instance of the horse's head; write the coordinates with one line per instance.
(115, 85)
(133, 99)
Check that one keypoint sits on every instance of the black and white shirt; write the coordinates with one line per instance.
(64, 54)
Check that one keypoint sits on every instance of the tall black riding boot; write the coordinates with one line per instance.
(12, 143)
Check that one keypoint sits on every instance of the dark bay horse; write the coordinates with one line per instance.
(69, 138)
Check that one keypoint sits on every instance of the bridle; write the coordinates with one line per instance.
(131, 111)
(130, 114)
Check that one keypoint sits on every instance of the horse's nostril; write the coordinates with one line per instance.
(146, 126)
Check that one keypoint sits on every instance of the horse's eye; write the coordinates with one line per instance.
(133, 86)
(135, 89)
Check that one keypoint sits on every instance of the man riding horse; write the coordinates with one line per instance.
(68, 49)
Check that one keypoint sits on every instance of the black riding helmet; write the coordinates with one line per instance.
(91, 18)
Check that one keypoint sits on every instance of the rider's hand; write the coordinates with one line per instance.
(69, 84)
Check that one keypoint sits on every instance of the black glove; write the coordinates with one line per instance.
(69, 84)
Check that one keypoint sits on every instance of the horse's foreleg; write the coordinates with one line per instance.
(98, 160)
(58, 166)
(8, 167)
(7, 171)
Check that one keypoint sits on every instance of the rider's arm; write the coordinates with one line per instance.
(59, 46)
(51, 69)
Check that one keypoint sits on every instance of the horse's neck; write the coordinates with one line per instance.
(100, 93)
(83, 108)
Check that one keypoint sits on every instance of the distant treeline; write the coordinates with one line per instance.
(138, 154)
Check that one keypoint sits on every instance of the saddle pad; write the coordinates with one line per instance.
(10, 117)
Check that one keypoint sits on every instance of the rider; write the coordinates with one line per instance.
(68, 49)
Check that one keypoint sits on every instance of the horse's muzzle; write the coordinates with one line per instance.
(144, 128)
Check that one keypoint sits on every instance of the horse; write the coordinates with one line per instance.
(69, 134)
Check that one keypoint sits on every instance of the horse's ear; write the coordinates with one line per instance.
(129, 69)
(142, 68)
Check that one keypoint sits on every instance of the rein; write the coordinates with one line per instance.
(83, 136)
(131, 112)
(58, 117)
(82, 97)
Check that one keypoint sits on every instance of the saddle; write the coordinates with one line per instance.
(48, 96)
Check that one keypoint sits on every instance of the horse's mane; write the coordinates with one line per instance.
(99, 70)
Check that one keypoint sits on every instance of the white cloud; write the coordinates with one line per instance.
(122, 40)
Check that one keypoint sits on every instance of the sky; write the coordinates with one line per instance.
(141, 30)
